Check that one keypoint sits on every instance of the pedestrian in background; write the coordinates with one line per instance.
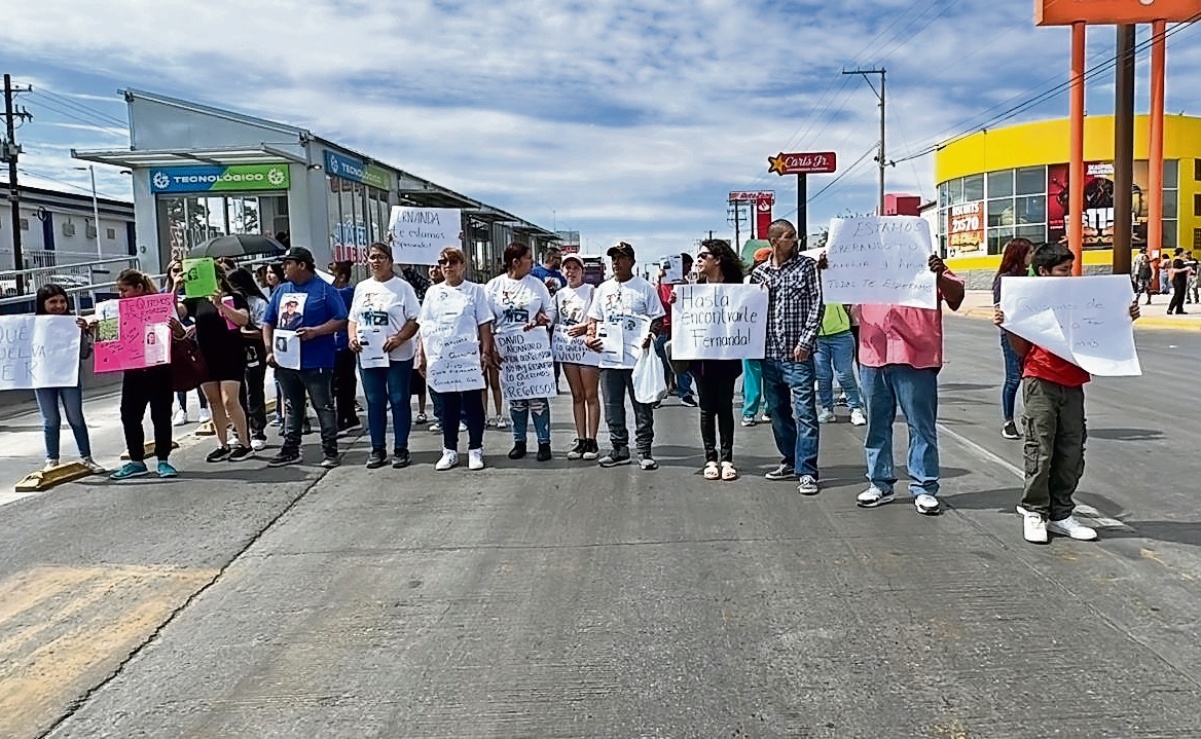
(753, 397)
(253, 395)
(1142, 272)
(175, 285)
(1178, 276)
(1015, 262)
(346, 387)
(835, 354)
(52, 300)
(678, 383)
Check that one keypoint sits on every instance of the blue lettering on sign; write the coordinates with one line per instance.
(338, 165)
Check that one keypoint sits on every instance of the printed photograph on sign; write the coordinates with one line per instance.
(108, 327)
(291, 311)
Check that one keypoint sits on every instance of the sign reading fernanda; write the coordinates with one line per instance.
(719, 322)
(419, 234)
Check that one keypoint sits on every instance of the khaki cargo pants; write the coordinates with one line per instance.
(1055, 432)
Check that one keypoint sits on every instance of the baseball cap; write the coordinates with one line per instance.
(572, 258)
(299, 254)
(622, 249)
(763, 254)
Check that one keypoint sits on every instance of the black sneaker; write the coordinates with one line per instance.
(220, 454)
(591, 450)
(544, 452)
(783, 472)
(401, 459)
(283, 459)
(689, 401)
(518, 450)
(240, 453)
(1010, 431)
(616, 457)
(330, 462)
(376, 460)
(578, 447)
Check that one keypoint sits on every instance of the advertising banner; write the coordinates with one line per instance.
(763, 216)
(38, 351)
(355, 170)
(1098, 204)
(820, 162)
(965, 228)
(233, 177)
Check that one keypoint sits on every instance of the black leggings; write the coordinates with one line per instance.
(715, 382)
(141, 388)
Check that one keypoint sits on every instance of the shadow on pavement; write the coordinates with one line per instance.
(1126, 434)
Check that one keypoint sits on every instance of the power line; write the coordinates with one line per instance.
(78, 108)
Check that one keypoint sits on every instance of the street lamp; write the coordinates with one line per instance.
(91, 168)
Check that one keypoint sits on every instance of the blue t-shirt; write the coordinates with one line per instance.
(341, 338)
(309, 305)
(542, 272)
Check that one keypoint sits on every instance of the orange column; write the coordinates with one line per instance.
(1155, 157)
(1076, 172)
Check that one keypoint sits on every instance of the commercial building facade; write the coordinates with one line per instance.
(1013, 182)
(60, 228)
(200, 172)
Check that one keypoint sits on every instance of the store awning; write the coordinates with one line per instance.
(143, 159)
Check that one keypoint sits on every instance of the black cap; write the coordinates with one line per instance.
(622, 249)
(299, 254)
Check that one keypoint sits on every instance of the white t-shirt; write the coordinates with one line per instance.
(517, 302)
(393, 304)
(631, 305)
(470, 293)
(572, 303)
(449, 318)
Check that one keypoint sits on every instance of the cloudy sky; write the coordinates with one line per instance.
(622, 120)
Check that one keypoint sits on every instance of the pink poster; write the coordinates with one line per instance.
(134, 333)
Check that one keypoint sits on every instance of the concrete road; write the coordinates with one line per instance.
(559, 599)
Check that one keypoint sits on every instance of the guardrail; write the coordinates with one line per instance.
(78, 274)
(77, 292)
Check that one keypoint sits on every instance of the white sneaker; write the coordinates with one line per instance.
(205, 415)
(180, 418)
(501, 423)
(50, 464)
(807, 485)
(462, 427)
(873, 497)
(1073, 528)
(826, 416)
(258, 445)
(94, 468)
(765, 418)
(927, 504)
(857, 417)
(475, 459)
(1034, 528)
(450, 458)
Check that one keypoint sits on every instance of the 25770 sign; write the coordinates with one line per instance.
(825, 162)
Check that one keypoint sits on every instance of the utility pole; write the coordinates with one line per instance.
(8, 153)
(881, 96)
(1123, 160)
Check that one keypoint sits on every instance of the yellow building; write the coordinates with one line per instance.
(1001, 183)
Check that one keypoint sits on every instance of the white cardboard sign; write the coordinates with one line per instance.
(38, 351)
(880, 260)
(527, 370)
(419, 235)
(719, 322)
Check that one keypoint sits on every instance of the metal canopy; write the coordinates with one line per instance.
(135, 159)
(438, 198)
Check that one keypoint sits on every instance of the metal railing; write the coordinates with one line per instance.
(76, 275)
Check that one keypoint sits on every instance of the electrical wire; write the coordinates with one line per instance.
(77, 106)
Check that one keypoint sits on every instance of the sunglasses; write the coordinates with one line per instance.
(704, 255)
(444, 262)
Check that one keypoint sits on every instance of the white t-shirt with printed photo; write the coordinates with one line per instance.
(389, 304)
(632, 305)
(518, 302)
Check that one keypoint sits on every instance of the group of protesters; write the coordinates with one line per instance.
(440, 333)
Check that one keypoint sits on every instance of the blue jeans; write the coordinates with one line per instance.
(319, 386)
(1013, 379)
(683, 379)
(615, 385)
(789, 389)
(72, 400)
(521, 410)
(836, 354)
(752, 387)
(916, 392)
(388, 387)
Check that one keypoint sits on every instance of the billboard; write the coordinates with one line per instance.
(1098, 204)
(820, 162)
(1113, 12)
(965, 228)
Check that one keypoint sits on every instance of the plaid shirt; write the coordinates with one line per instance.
(794, 305)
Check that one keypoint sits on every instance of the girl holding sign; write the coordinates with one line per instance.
(520, 303)
(580, 364)
(383, 322)
(456, 343)
(52, 300)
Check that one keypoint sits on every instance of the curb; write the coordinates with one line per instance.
(1187, 323)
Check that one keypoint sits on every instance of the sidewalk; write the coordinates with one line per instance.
(978, 304)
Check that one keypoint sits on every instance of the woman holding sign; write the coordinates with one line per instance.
(52, 300)
(383, 322)
(520, 304)
(580, 363)
(456, 342)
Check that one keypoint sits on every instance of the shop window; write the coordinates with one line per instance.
(1036, 234)
(955, 192)
(1169, 234)
(1000, 212)
(1169, 203)
(1032, 181)
(1171, 173)
(1197, 201)
(1197, 170)
(944, 190)
(973, 188)
(1031, 210)
(997, 238)
(1000, 184)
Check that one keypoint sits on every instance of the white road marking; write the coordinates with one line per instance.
(1094, 516)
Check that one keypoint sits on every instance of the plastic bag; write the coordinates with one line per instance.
(650, 384)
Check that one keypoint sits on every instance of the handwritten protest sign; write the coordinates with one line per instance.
(143, 337)
(38, 351)
(527, 370)
(1085, 320)
(719, 322)
(572, 349)
(420, 234)
(199, 277)
(449, 336)
(286, 347)
(880, 260)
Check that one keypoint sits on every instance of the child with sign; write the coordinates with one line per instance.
(579, 362)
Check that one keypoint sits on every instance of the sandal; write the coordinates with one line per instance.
(728, 473)
(711, 472)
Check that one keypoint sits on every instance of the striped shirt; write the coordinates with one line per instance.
(794, 305)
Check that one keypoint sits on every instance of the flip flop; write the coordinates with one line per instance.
(711, 471)
(728, 473)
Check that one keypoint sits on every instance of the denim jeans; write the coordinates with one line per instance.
(318, 384)
(520, 412)
(388, 387)
(616, 384)
(752, 387)
(683, 379)
(1013, 379)
(789, 389)
(72, 400)
(836, 354)
(469, 406)
(916, 392)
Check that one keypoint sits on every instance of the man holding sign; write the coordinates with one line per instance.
(900, 344)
